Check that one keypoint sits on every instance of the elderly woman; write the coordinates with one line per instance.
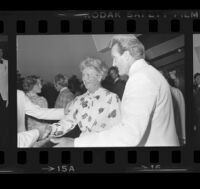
(32, 86)
(65, 96)
(94, 111)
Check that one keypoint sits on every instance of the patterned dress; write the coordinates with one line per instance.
(92, 112)
(64, 98)
(32, 123)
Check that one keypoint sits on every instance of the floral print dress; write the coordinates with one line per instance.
(93, 112)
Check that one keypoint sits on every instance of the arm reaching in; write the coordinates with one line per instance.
(25, 105)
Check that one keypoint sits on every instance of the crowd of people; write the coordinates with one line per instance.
(178, 106)
(144, 110)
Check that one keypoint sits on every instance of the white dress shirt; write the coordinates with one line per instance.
(146, 111)
(4, 79)
(25, 106)
(26, 139)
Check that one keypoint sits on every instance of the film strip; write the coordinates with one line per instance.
(170, 38)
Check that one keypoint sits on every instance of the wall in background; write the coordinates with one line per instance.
(47, 55)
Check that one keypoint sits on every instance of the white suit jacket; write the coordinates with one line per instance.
(146, 110)
(25, 106)
(4, 79)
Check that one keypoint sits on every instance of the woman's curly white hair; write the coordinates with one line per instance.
(96, 64)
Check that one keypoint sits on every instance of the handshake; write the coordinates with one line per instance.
(49, 131)
(44, 132)
(48, 138)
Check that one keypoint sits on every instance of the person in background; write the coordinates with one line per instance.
(118, 85)
(4, 100)
(147, 116)
(3, 124)
(196, 82)
(74, 85)
(50, 93)
(197, 102)
(96, 110)
(107, 82)
(82, 88)
(32, 86)
(4, 78)
(65, 95)
(179, 108)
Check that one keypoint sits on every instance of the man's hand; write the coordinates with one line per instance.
(40, 143)
(44, 132)
(63, 142)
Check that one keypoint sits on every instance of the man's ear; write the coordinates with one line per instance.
(127, 55)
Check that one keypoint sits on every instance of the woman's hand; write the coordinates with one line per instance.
(44, 133)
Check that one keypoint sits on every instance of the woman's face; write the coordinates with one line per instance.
(37, 87)
(91, 79)
(57, 87)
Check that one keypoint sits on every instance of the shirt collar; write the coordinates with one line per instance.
(98, 91)
(31, 94)
(63, 89)
(136, 66)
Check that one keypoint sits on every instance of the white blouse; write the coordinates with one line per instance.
(92, 112)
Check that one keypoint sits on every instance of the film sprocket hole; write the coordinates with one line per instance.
(121, 92)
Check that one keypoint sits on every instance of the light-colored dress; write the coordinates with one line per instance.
(32, 123)
(92, 112)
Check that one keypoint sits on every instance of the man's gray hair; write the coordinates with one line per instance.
(129, 43)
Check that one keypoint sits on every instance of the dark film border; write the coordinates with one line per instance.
(102, 159)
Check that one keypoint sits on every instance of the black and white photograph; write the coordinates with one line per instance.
(196, 87)
(4, 100)
(121, 90)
